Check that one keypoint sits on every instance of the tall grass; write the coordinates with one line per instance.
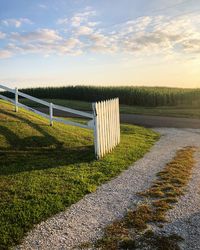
(141, 96)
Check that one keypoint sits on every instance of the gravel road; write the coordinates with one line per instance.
(85, 220)
(185, 217)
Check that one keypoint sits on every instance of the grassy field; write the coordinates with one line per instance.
(46, 169)
(171, 111)
(133, 95)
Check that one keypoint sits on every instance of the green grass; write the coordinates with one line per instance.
(46, 169)
(171, 111)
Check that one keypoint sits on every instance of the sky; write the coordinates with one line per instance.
(90, 42)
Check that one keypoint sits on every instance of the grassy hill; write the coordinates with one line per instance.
(46, 169)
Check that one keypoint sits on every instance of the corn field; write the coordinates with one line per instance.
(141, 96)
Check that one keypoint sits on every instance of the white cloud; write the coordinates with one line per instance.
(42, 6)
(146, 35)
(84, 31)
(2, 35)
(98, 38)
(82, 17)
(92, 24)
(15, 22)
(160, 34)
(137, 25)
(76, 21)
(192, 45)
(102, 43)
(71, 46)
(148, 42)
(5, 53)
(42, 35)
(62, 21)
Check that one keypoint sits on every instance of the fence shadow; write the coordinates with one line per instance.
(37, 152)
(38, 127)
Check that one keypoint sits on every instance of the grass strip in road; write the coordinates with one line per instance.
(135, 230)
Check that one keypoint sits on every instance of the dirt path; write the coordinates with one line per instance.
(85, 220)
(145, 120)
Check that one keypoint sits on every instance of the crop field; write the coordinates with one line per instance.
(172, 102)
(139, 96)
(46, 169)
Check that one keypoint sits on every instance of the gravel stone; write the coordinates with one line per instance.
(85, 220)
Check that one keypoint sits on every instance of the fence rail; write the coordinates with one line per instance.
(105, 119)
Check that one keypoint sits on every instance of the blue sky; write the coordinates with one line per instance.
(123, 42)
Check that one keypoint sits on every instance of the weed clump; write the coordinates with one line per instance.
(139, 218)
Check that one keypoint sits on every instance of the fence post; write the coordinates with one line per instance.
(96, 139)
(51, 114)
(16, 99)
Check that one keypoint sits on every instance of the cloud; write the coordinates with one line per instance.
(84, 31)
(71, 46)
(5, 54)
(42, 6)
(41, 35)
(137, 25)
(16, 22)
(148, 35)
(147, 43)
(82, 17)
(192, 45)
(92, 24)
(62, 21)
(2, 35)
(76, 21)
(160, 34)
(102, 43)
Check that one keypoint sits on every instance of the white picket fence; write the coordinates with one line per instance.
(105, 121)
(107, 126)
